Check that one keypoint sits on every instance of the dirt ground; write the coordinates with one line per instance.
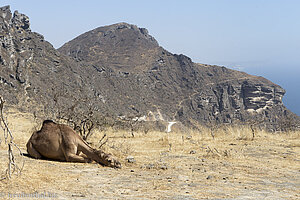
(177, 165)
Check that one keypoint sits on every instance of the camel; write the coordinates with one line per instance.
(60, 142)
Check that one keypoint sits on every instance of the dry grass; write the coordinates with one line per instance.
(180, 165)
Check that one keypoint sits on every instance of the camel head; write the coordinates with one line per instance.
(107, 159)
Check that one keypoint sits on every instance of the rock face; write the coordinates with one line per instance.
(156, 83)
(32, 71)
(122, 72)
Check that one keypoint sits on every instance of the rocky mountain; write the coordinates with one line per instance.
(32, 72)
(121, 71)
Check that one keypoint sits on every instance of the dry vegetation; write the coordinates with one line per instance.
(176, 165)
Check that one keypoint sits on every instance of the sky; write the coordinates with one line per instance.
(260, 37)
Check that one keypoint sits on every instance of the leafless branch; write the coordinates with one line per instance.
(9, 140)
(104, 140)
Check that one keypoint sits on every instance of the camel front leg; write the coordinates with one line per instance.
(72, 155)
(79, 153)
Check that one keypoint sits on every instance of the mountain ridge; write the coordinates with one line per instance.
(121, 71)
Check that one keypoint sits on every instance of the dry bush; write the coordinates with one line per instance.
(13, 165)
(152, 143)
(214, 152)
(288, 124)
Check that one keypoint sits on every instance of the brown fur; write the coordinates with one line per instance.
(60, 142)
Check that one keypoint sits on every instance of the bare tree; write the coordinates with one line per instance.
(213, 126)
(83, 115)
(254, 123)
(288, 123)
(13, 166)
(82, 120)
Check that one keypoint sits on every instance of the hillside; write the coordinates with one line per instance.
(136, 72)
(120, 71)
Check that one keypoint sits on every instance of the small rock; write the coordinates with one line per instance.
(183, 178)
(164, 167)
(78, 195)
(188, 137)
(193, 152)
(132, 170)
(209, 177)
(164, 154)
(150, 166)
(130, 159)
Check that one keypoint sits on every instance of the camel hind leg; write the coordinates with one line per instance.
(32, 151)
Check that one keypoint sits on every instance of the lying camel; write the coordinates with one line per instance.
(60, 142)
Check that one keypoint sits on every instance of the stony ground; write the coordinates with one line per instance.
(166, 166)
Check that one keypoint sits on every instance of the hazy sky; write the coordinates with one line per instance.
(261, 37)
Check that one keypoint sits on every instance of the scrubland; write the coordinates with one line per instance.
(227, 163)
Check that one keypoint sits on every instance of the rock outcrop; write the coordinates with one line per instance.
(121, 71)
(32, 71)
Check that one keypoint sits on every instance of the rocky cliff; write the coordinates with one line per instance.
(152, 81)
(32, 71)
(121, 71)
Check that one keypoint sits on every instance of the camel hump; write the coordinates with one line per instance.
(47, 121)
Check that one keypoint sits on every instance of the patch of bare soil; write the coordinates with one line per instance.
(176, 165)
